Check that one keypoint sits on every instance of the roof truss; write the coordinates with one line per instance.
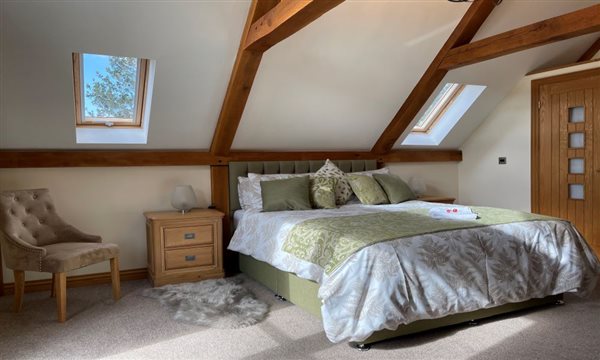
(98, 158)
(589, 54)
(462, 34)
(271, 21)
(458, 51)
(573, 24)
(268, 23)
(283, 21)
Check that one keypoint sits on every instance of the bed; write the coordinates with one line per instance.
(381, 291)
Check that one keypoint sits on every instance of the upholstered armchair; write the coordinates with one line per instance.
(35, 238)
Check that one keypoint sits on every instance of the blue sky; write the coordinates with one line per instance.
(92, 64)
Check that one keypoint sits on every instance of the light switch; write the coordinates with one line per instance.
(502, 160)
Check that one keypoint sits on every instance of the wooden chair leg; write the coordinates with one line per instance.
(19, 289)
(115, 277)
(61, 296)
(53, 287)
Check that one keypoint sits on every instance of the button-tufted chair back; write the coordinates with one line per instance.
(30, 216)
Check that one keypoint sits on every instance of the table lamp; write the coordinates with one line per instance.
(183, 198)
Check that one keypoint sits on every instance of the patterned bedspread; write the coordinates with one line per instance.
(426, 276)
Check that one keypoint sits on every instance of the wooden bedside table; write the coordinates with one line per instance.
(184, 247)
(437, 199)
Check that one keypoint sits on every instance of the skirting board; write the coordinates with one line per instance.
(79, 280)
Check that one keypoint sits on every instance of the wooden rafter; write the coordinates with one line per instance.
(573, 24)
(105, 158)
(589, 54)
(242, 77)
(462, 34)
(102, 158)
(268, 23)
(285, 19)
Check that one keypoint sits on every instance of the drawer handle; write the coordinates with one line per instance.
(189, 236)
(190, 257)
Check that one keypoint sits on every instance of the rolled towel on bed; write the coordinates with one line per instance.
(453, 213)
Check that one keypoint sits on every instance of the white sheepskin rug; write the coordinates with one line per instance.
(220, 303)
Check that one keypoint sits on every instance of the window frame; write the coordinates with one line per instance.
(140, 100)
(440, 109)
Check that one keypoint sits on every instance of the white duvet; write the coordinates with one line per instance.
(426, 276)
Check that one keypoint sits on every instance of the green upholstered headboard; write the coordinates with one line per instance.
(237, 169)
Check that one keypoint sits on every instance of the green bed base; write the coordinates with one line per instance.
(303, 293)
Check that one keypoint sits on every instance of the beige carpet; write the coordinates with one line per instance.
(138, 328)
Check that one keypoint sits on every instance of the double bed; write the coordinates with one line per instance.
(433, 278)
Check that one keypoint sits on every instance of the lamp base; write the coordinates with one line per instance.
(184, 211)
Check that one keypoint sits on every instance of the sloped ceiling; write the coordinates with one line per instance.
(501, 75)
(335, 85)
(194, 44)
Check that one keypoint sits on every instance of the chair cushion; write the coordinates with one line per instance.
(70, 256)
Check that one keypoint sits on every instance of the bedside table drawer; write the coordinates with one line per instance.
(188, 235)
(192, 257)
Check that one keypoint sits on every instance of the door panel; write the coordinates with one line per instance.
(566, 161)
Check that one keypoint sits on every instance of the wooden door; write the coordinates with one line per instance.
(565, 160)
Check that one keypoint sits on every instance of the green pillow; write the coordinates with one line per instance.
(322, 192)
(286, 194)
(368, 191)
(396, 189)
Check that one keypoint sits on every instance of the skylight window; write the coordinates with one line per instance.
(442, 101)
(448, 106)
(112, 92)
(109, 90)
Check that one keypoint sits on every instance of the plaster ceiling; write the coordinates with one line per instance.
(335, 85)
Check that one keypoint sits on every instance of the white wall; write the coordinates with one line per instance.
(506, 132)
(109, 202)
(440, 178)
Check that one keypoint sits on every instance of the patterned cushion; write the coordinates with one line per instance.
(249, 198)
(343, 191)
(322, 192)
(367, 189)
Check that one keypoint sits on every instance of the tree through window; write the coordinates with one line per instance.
(109, 90)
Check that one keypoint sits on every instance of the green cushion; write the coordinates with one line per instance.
(368, 191)
(286, 194)
(322, 192)
(395, 188)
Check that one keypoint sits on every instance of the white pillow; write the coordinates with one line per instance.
(371, 172)
(249, 188)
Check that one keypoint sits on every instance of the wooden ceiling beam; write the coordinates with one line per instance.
(240, 82)
(105, 158)
(462, 34)
(591, 52)
(117, 158)
(284, 20)
(573, 24)
(403, 156)
(268, 22)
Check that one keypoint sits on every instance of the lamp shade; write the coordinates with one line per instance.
(417, 185)
(183, 198)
